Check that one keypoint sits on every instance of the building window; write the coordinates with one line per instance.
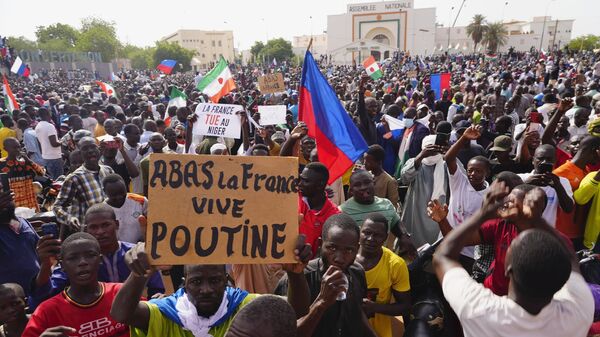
(220, 44)
(203, 56)
(201, 41)
(214, 56)
(213, 43)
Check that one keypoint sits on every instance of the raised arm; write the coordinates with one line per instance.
(127, 307)
(471, 133)
(447, 254)
(439, 213)
(288, 147)
(548, 134)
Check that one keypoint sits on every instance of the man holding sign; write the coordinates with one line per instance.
(205, 304)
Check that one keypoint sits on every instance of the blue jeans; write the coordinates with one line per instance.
(54, 167)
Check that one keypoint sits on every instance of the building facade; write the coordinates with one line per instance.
(209, 45)
(380, 29)
(318, 47)
(544, 32)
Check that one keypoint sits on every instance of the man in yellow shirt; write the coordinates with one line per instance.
(5, 132)
(588, 189)
(387, 276)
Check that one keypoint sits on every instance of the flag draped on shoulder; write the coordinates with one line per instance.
(20, 68)
(107, 88)
(372, 68)
(339, 141)
(10, 102)
(218, 82)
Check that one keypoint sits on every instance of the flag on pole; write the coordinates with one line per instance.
(177, 98)
(422, 64)
(339, 141)
(20, 68)
(218, 82)
(439, 82)
(372, 68)
(457, 45)
(166, 66)
(107, 88)
(275, 62)
(10, 102)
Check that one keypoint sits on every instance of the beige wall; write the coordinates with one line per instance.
(207, 44)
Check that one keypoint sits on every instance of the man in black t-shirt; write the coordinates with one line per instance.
(337, 285)
(125, 167)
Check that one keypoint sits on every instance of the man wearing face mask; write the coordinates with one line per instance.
(410, 146)
(427, 179)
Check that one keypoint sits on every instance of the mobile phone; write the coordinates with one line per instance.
(113, 144)
(545, 168)
(535, 117)
(50, 229)
(4, 182)
(442, 139)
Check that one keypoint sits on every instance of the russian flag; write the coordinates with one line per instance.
(339, 142)
(166, 66)
(439, 82)
(20, 68)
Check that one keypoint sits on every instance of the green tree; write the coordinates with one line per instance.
(256, 49)
(141, 58)
(585, 42)
(495, 36)
(476, 29)
(58, 37)
(99, 36)
(21, 43)
(173, 51)
(277, 48)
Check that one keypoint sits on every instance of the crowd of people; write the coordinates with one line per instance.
(500, 173)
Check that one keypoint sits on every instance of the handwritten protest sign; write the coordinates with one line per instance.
(411, 74)
(271, 83)
(221, 209)
(218, 120)
(272, 114)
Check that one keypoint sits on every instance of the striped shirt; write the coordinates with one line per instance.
(80, 190)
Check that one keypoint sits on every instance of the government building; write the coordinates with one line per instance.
(382, 28)
(209, 45)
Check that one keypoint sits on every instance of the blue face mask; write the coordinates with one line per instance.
(408, 122)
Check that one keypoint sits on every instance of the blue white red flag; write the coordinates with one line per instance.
(339, 142)
(166, 66)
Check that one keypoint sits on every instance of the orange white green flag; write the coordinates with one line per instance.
(218, 82)
(372, 68)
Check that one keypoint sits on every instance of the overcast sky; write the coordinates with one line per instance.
(143, 22)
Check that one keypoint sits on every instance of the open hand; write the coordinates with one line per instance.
(436, 211)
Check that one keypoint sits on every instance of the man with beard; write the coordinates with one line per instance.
(204, 305)
(18, 259)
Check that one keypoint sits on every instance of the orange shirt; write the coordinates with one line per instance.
(565, 222)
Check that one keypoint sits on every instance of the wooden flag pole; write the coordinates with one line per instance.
(309, 44)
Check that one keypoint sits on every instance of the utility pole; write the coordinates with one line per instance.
(554, 37)
(454, 23)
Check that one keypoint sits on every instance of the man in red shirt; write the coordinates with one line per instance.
(502, 231)
(313, 205)
(83, 308)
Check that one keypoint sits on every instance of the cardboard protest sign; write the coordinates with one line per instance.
(219, 120)
(221, 209)
(272, 114)
(411, 74)
(271, 83)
